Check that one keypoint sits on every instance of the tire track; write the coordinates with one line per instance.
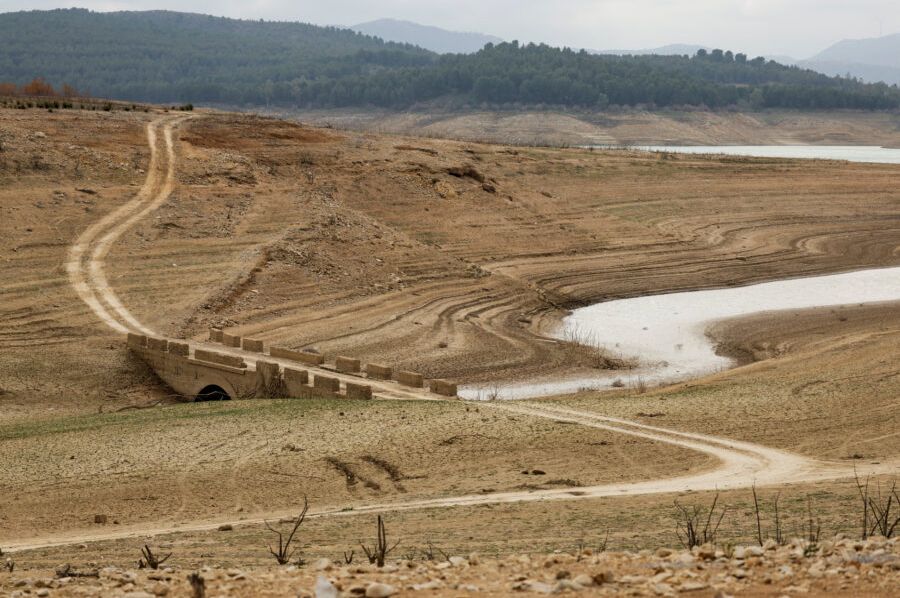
(86, 256)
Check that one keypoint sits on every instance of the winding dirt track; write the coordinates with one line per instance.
(741, 464)
(86, 256)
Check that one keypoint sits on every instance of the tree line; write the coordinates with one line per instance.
(166, 57)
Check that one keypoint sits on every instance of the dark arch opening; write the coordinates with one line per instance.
(212, 393)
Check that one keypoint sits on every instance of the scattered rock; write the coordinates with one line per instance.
(584, 580)
(325, 589)
(534, 586)
(225, 527)
(380, 590)
(466, 170)
(445, 190)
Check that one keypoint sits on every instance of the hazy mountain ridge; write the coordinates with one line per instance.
(429, 37)
(881, 51)
(873, 59)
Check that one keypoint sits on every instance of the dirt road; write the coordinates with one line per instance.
(86, 256)
(741, 465)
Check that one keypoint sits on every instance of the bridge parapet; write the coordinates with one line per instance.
(192, 371)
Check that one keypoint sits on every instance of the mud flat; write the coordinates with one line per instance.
(668, 333)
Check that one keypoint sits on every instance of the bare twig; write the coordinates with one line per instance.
(779, 536)
(380, 550)
(813, 527)
(284, 553)
(864, 495)
(883, 522)
(688, 521)
(759, 535)
(150, 560)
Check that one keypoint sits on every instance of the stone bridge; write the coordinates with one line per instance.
(231, 367)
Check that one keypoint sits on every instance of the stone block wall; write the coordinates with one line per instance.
(250, 344)
(230, 340)
(347, 365)
(220, 358)
(326, 384)
(379, 372)
(301, 356)
(182, 349)
(410, 379)
(359, 391)
(443, 387)
(157, 344)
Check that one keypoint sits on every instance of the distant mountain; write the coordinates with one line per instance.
(874, 59)
(670, 50)
(435, 39)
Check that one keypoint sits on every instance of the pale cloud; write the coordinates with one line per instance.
(795, 27)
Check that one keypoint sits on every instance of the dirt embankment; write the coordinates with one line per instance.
(625, 128)
(771, 335)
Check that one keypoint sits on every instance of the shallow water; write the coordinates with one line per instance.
(851, 153)
(667, 333)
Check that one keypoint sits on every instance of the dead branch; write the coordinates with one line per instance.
(380, 550)
(688, 521)
(284, 553)
(151, 560)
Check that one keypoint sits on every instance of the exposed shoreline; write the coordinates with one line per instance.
(692, 351)
(620, 128)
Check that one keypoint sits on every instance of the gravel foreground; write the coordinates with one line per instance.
(837, 567)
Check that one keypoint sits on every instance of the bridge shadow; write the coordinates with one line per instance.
(212, 393)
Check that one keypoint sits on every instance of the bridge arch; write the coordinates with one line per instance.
(212, 392)
(210, 385)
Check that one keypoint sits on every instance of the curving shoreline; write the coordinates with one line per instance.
(668, 332)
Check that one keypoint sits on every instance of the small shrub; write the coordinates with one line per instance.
(689, 519)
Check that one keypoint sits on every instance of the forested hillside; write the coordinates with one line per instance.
(166, 56)
(175, 57)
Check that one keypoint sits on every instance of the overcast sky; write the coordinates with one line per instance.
(798, 28)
